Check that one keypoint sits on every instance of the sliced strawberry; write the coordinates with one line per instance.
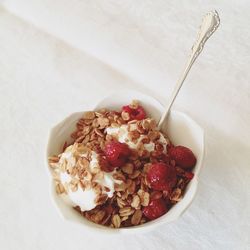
(183, 156)
(155, 209)
(135, 114)
(161, 176)
(105, 165)
(189, 175)
(117, 153)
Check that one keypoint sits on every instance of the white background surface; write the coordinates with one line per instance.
(62, 56)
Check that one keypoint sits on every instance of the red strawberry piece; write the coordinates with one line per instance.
(117, 153)
(161, 176)
(105, 165)
(183, 156)
(135, 114)
(189, 175)
(155, 209)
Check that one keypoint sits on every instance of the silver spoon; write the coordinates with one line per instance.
(209, 25)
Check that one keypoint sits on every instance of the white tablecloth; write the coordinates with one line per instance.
(64, 55)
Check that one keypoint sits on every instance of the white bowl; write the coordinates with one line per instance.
(181, 130)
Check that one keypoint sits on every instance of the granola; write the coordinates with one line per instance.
(120, 170)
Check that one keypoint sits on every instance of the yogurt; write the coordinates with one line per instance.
(85, 198)
(121, 133)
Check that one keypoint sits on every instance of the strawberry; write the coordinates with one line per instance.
(105, 165)
(155, 209)
(161, 176)
(189, 175)
(183, 156)
(117, 153)
(135, 114)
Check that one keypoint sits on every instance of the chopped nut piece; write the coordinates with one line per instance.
(119, 176)
(87, 175)
(102, 110)
(106, 219)
(134, 104)
(96, 170)
(107, 189)
(146, 167)
(120, 187)
(116, 220)
(146, 124)
(136, 202)
(73, 187)
(83, 163)
(152, 124)
(120, 121)
(131, 188)
(132, 127)
(95, 123)
(81, 121)
(133, 135)
(98, 176)
(128, 182)
(98, 217)
(136, 218)
(176, 195)
(126, 211)
(103, 122)
(143, 220)
(124, 195)
(144, 197)
(101, 199)
(135, 174)
(98, 132)
(98, 189)
(53, 159)
(89, 115)
(125, 116)
(60, 188)
(140, 129)
(114, 125)
(121, 203)
(124, 218)
(128, 168)
(80, 139)
(153, 135)
(81, 149)
(86, 139)
(86, 130)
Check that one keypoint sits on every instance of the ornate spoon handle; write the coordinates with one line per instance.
(209, 24)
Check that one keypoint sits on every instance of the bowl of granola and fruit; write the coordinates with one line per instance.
(113, 169)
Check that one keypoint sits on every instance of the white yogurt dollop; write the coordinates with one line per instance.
(85, 198)
(121, 133)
